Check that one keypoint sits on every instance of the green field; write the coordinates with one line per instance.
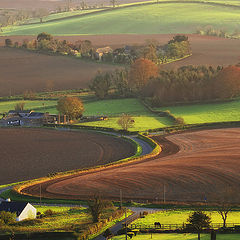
(144, 119)
(142, 19)
(181, 216)
(113, 108)
(175, 236)
(207, 113)
(34, 105)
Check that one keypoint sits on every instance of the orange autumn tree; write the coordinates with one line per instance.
(141, 71)
(227, 83)
(70, 106)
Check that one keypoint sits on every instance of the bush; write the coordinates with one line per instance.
(179, 121)
(48, 213)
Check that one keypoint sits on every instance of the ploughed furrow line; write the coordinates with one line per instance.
(192, 166)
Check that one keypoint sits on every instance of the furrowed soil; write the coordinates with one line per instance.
(33, 153)
(192, 165)
(21, 70)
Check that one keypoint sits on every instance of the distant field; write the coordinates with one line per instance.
(153, 18)
(206, 113)
(175, 236)
(181, 216)
(25, 70)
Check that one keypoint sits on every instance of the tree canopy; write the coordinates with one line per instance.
(70, 106)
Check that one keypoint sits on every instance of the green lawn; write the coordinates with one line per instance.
(175, 236)
(49, 106)
(142, 19)
(207, 113)
(144, 119)
(181, 216)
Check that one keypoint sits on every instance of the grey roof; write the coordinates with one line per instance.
(13, 207)
(23, 111)
(36, 115)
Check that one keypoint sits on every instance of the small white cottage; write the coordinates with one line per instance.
(23, 210)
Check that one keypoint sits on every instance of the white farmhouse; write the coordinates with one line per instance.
(23, 210)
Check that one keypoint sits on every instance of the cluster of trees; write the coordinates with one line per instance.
(186, 84)
(46, 42)
(176, 48)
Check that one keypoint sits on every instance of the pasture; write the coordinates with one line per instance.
(207, 113)
(181, 216)
(142, 19)
(175, 236)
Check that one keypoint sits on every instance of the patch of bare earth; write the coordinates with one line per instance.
(24, 70)
(208, 161)
(33, 153)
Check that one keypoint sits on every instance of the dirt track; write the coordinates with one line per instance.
(34, 153)
(208, 162)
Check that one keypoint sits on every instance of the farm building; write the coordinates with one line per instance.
(26, 118)
(23, 210)
(101, 51)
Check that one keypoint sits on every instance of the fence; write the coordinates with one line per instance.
(164, 227)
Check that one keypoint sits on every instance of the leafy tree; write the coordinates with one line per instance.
(7, 217)
(141, 71)
(96, 207)
(125, 122)
(121, 82)
(101, 85)
(199, 220)
(178, 38)
(44, 36)
(70, 106)
(19, 106)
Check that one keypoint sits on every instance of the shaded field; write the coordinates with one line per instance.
(207, 113)
(23, 70)
(207, 162)
(34, 153)
(165, 17)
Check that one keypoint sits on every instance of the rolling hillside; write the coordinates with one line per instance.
(165, 17)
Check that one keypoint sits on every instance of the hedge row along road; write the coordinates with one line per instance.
(192, 165)
(34, 153)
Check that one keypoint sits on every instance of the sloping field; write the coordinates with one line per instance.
(207, 113)
(208, 161)
(23, 70)
(177, 17)
(34, 153)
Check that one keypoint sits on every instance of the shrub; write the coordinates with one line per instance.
(49, 212)
(179, 121)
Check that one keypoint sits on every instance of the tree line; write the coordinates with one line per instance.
(186, 84)
(176, 48)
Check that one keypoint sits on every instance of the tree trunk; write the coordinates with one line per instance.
(224, 222)
(198, 235)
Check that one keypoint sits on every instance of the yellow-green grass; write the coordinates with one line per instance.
(175, 236)
(56, 16)
(143, 118)
(207, 113)
(34, 105)
(181, 216)
(142, 123)
(141, 19)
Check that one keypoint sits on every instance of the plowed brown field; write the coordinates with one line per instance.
(208, 161)
(33, 153)
(21, 70)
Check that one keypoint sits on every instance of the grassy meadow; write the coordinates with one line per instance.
(140, 19)
(207, 113)
(175, 236)
(181, 216)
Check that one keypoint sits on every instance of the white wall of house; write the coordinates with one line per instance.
(29, 212)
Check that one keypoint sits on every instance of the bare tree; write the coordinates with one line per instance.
(19, 106)
(125, 122)
(113, 2)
